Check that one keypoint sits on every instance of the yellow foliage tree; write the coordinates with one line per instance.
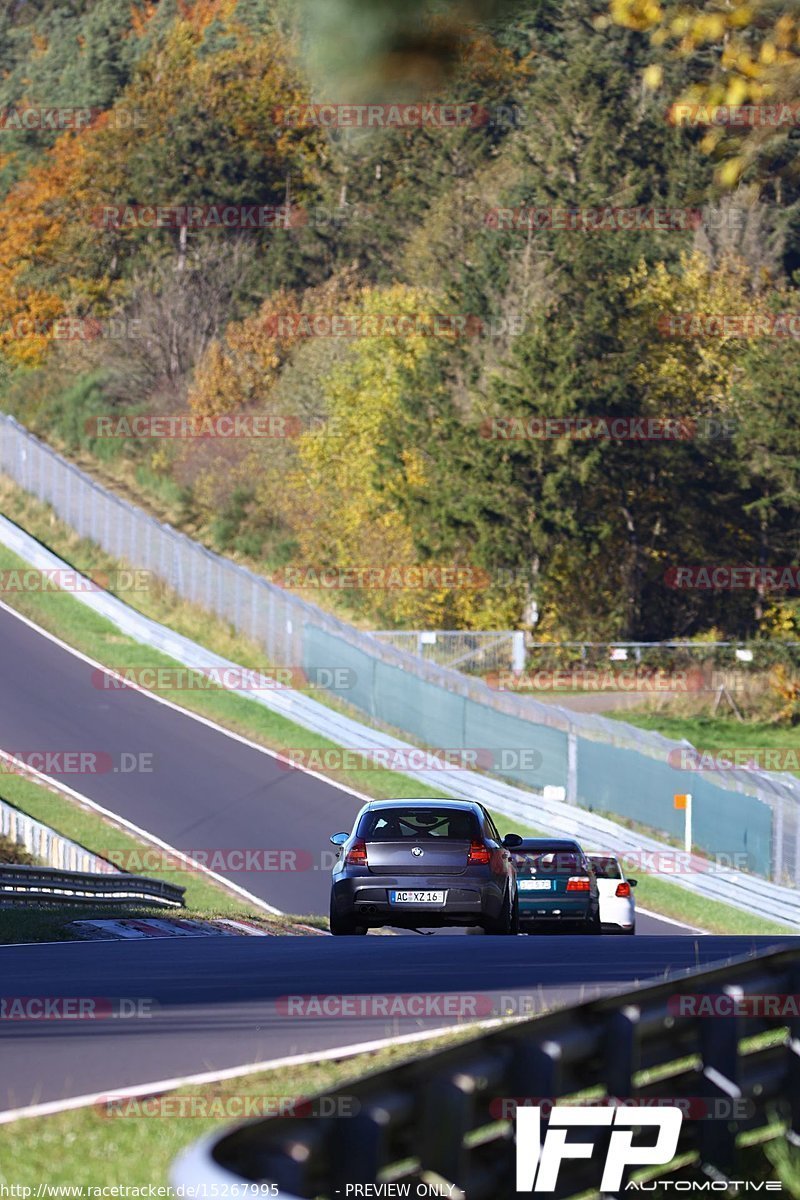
(685, 369)
(757, 62)
(340, 492)
(34, 217)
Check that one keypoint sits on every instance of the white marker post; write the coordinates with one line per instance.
(684, 800)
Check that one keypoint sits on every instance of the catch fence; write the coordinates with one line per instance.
(603, 765)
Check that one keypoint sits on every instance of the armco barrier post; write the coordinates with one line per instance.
(572, 767)
(777, 849)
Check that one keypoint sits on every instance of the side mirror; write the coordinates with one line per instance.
(633, 882)
(511, 840)
(339, 839)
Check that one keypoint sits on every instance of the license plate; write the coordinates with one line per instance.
(535, 885)
(416, 897)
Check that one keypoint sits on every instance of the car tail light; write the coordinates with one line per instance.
(623, 889)
(478, 853)
(578, 883)
(357, 854)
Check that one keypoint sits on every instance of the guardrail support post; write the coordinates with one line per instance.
(793, 1080)
(357, 1155)
(518, 651)
(572, 767)
(719, 1049)
(777, 859)
(447, 1118)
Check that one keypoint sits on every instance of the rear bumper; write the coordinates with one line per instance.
(560, 910)
(467, 901)
(617, 912)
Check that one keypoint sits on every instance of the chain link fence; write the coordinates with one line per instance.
(604, 766)
(473, 652)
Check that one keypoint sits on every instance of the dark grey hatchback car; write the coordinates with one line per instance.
(424, 864)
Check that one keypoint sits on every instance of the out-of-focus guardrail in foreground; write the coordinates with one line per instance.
(440, 1118)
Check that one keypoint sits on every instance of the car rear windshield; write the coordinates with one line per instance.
(606, 868)
(395, 824)
(549, 860)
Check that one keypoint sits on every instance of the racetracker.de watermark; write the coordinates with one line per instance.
(694, 1108)
(398, 115)
(197, 216)
(226, 1106)
(231, 216)
(708, 578)
(409, 758)
(77, 329)
(63, 579)
(383, 579)
(600, 219)
(235, 679)
(736, 116)
(74, 1008)
(51, 761)
(729, 325)
(222, 860)
(600, 679)
(31, 118)
(182, 426)
(678, 862)
(613, 429)
(735, 1003)
(740, 758)
(382, 1005)
(189, 425)
(391, 325)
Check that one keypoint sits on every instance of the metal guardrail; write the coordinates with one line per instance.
(438, 1118)
(468, 650)
(603, 764)
(48, 886)
(751, 893)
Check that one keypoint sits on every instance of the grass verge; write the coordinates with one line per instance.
(725, 734)
(65, 616)
(69, 619)
(136, 1141)
(89, 1148)
(204, 899)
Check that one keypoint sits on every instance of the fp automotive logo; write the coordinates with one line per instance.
(539, 1158)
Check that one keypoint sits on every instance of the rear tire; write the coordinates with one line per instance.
(515, 916)
(344, 926)
(508, 921)
(592, 924)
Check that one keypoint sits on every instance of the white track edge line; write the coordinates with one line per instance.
(187, 712)
(648, 912)
(219, 729)
(52, 1107)
(47, 781)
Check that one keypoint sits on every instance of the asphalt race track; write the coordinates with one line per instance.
(206, 791)
(212, 1004)
(209, 1003)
